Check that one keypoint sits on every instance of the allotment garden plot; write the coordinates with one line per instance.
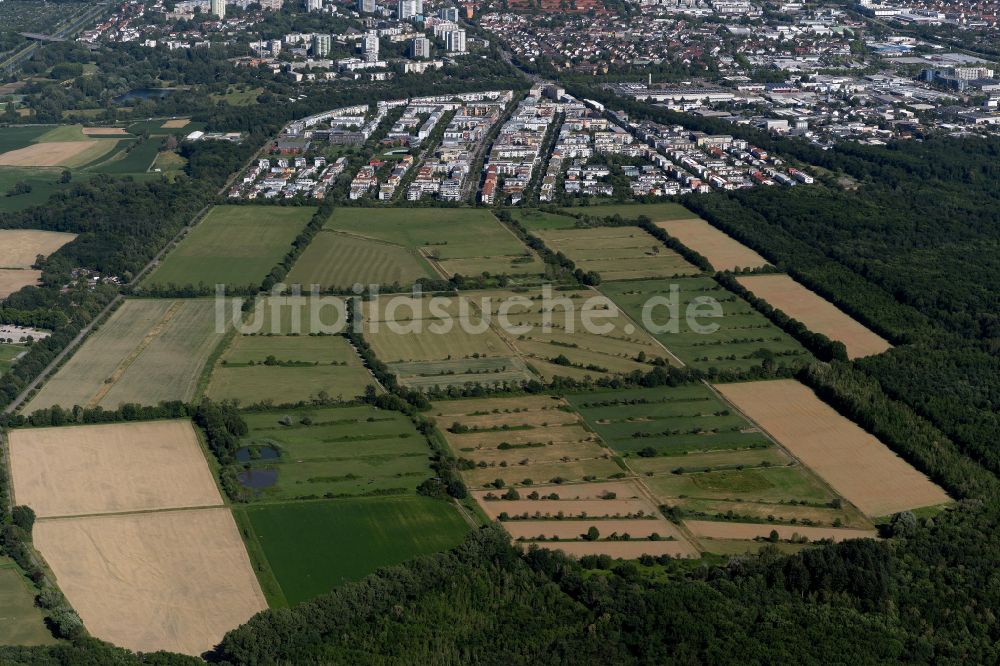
(739, 339)
(617, 253)
(453, 240)
(233, 245)
(288, 369)
(856, 464)
(168, 340)
(818, 314)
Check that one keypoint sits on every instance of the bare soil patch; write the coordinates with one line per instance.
(20, 247)
(721, 250)
(12, 280)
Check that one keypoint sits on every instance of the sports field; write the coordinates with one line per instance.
(657, 212)
(818, 314)
(856, 464)
(617, 253)
(15, 279)
(77, 470)
(166, 339)
(21, 621)
(455, 240)
(337, 451)
(738, 339)
(19, 248)
(342, 260)
(313, 547)
(288, 369)
(722, 251)
(232, 245)
(166, 580)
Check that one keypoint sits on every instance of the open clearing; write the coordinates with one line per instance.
(19, 248)
(722, 251)
(233, 245)
(455, 240)
(818, 314)
(853, 462)
(534, 220)
(337, 451)
(21, 621)
(709, 529)
(58, 153)
(336, 260)
(302, 367)
(739, 339)
(176, 123)
(8, 354)
(166, 339)
(92, 469)
(312, 547)
(617, 253)
(12, 280)
(169, 580)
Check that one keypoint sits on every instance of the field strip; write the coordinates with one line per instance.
(132, 513)
(153, 333)
(638, 327)
(710, 529)
(432, 261)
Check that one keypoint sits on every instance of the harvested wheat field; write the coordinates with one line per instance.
(818, 314)
(20, 247)
(855, 464)
(176, 123)
(722, 251)
(15, 279)
(170, 580)
(79, 470)
(711, 529)
(104, 131)
(575, 529)
(57, 153)
(628, 550)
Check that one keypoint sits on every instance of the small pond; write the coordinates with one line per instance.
(142, 93)
(257, 478)
(246, 453)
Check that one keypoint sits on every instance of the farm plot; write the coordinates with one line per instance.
(288, 369)
(168, 340)
(856, 464)
(336, 260)
(676, 422)
(69, 154)
(586, 518)
(20, 248)
(114, 468)
(722, 251)
(520, 441)
(617, 253)
(454, 240)
(483, 371)
(708, 529)
(21, 621)
(657, 212)
(818, 314)
(313, 547)
(334, 452)
(44, 182)
(536, 220)
(168, 580)
(13, 280)
(291, 315)
(739, 339)
(233, 245)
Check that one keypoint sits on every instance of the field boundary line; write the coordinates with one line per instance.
(170, 509)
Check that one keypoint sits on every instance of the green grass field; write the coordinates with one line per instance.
(672, 421)
(340, 260)
(232, 245)
(337, 451)
(44, 183)
(242, 374)
(461, 372)
(313, 547)
(147, 351)
(12, 138)
(132, 157)
(657, 212)
(617, 253)
(744, 337)
(21, 622)
(7, 355)
(536, 220)
(464, 241)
